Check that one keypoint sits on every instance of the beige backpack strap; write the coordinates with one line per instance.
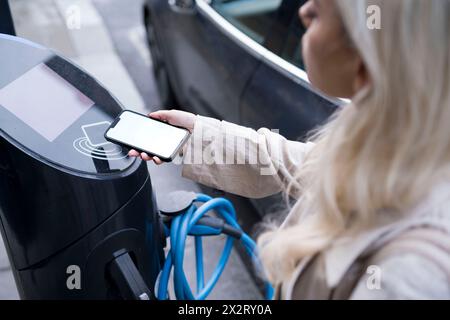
(312, 284)
(431, 243)
(344, 289)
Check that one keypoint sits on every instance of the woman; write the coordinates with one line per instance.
(371, 218)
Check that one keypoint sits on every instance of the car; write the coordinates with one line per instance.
(236, 60)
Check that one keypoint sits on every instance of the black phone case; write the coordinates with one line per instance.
(170, 159)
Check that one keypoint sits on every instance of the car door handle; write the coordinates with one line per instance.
(182, 6)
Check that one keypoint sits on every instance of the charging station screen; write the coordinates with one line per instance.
(44, 101)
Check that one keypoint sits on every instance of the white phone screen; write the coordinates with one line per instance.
(147, 134)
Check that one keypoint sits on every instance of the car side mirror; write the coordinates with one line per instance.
(182, 5)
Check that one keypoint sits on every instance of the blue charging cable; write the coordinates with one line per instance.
(195, 222)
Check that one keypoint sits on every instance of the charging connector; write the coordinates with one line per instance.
(126, 277)
(193, 221)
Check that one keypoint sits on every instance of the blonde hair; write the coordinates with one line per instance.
(383, 152)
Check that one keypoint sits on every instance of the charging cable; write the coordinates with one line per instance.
(195, 222)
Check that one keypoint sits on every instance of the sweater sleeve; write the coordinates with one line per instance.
(240, 160)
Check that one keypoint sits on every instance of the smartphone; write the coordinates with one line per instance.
(154, 137)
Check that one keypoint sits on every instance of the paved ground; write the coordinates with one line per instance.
(110, 45)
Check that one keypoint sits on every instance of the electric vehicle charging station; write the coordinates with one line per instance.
(78, 216)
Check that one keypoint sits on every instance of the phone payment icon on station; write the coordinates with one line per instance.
(93, 144)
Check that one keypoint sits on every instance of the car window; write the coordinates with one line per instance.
(253, 17)
(292, 48)
(257, 17)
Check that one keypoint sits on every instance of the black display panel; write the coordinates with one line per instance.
(59, 103)
(58, 112)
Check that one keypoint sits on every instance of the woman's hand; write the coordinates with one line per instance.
(175, 117)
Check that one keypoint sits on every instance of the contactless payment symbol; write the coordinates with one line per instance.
(93, 144)
(94, 133)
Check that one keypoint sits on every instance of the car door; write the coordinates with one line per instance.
(279, 95)
(211, 51)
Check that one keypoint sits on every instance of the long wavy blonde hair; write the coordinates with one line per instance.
(388, 147)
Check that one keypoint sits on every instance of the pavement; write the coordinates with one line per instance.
(109, 43)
